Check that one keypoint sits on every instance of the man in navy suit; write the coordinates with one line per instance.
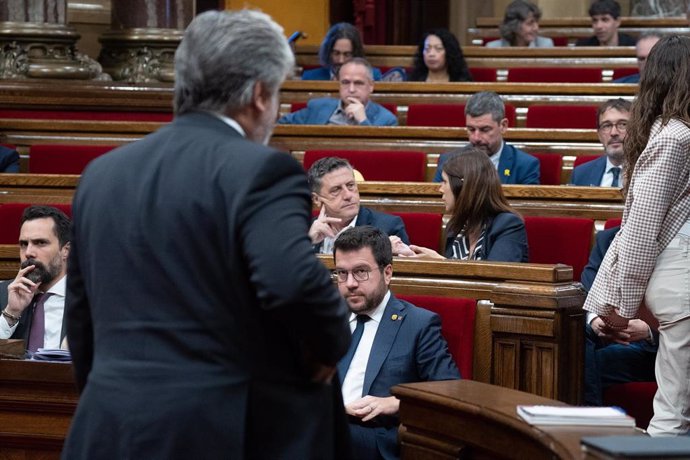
(393, 342)
(334, 191)
(607, 170)
(9, 160)
(644, 45)
(486, 124)
(354, 106)
(200, 323)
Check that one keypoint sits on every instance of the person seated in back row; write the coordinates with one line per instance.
(485, 118)
(439, 59)
(9, 160)
(520, 27)
(334, 191)
(482, 226)
(341, 43)
(354, 106)
(644, 45)
(606, 20)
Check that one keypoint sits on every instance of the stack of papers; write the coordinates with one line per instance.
(52, 354)
(568, 415)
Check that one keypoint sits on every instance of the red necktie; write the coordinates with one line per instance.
(38, 323)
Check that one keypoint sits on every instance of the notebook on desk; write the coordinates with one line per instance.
(636, 447)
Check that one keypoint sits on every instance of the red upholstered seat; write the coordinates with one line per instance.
(392, 108)
(63, 159)
(624, 72)
(613, 222)
(378, 165)
(562, 116)
(86, 115)
(11, 218)
(457, 326)
(580, 159)
(636, 399)
(485, 74)
(560, 240)
(554, 75)
(550, 168)
(424, 229)
(560, 41)
(450, 115)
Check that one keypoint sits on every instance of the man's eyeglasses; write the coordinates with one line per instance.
(621, 126)
(359, 274)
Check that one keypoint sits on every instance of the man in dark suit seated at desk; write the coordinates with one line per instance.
(606, 20)
(485, 118)
(613, 357)
(9, 160)
(34, 302)
(393, 342)
(612, 126)
(354, 106)
(334, 191)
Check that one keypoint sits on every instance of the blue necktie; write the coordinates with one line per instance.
(616, 171)
(344, 363)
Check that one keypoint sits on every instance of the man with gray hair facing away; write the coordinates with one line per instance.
(485, 118)
(200, 322)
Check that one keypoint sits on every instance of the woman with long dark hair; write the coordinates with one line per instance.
(482, 225)
(649, 259)
(439, 59)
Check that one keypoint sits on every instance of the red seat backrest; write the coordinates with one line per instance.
(424, 229)
(63, 159)
(562, 116)
(450, 115)
(560, 240)
(378, 165)
(550, 168)
(612, 222)
(581, 159)
(554, 75)
(86, 115)
(457, 326)
(485, 74)
(624, 72)
(11, 218)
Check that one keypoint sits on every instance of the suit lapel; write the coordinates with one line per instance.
(392, 319)
(599, 172)
(506, 164)
(363, 217)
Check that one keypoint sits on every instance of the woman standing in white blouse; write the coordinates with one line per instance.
(649, 260)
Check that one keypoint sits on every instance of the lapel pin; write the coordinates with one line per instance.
(396, 317)
(506, 172)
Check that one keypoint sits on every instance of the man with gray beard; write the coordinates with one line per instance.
(33, 302)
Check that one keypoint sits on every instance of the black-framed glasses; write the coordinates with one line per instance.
(621, 126)
(359, 274)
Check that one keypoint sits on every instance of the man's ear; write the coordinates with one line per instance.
(64, 251)
(261, 97)
(504, 125)
(316, 199)
(388, 274)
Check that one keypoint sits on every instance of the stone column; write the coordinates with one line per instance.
(36, 42)
(144, 34)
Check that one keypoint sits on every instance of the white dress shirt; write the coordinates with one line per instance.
(496, 157)
(54, 309)
(353, 383)
(230, 122)
(327, 245)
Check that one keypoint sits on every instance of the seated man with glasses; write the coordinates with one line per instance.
(393, 342)
(353, 108)
(606, 171)
(334, 191)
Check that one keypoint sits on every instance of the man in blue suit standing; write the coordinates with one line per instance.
(607, 170)
(486, 124)
(393, 342)
(334, 191)
(356, 81)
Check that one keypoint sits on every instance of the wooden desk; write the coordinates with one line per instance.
(464, 419)
(37, 401)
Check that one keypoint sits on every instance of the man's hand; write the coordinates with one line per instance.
(371, 406)
(355, 110)
(420, 252)
(20, 292)
(614, 321)
(399, 248)
(321, 227)
(635, 331)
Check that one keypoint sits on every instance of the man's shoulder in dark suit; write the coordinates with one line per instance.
(9, 160)
(392, 225)
(589, 174)
(524, 168)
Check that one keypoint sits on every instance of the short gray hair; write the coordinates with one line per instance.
(486, 102)
(223, 55)
(323, 166)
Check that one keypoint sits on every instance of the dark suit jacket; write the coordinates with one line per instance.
(9, 160)
(505, 240)
(590, 173)
(319, 111)
(388, 223)
(514, 166)
(603, 241)
(623, 40)
(633, 78)
(193, 298)
(25, 321)
(324, 73)
(407, 349)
